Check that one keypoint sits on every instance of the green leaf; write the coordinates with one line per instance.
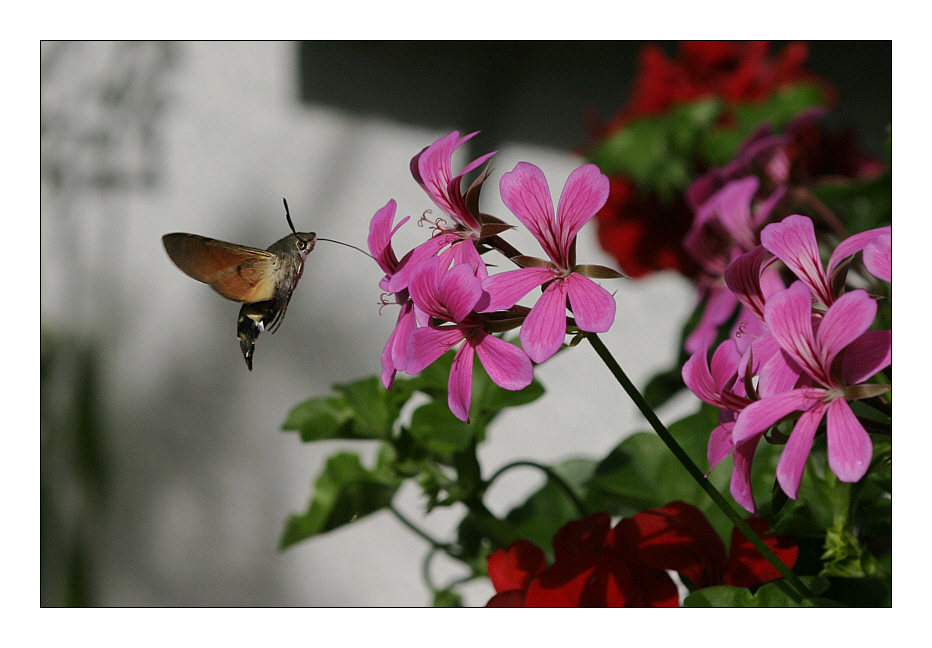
(321, 418)
(374, 407)
(641, 472)
(363, 409)
(775, 594)
(447, 598)
(720, 596)
(436, 429)
(657, 152)
(720, 144)
(860, 204)
(344, 491)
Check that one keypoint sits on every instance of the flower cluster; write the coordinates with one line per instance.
(447, 296)
(693, 108)
(598, 565)
(732, 204)
(812, 354)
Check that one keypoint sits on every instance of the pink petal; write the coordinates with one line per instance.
(793, 241)
(424, 289)
(526, 193)
(388, 366)
(426, 250)
(876, 239)
(878, 257)
(743, 278)
(760, 415)
(380, 237)
(849, 446)
(765, 207)
(720, 444)
(395, 353)
(432, 169)
(545, 327)
(746, 329)
(719, 306)
(733, 209)
(593, 306)
(740, 487)
(507, 288)
(460, 289)
(793, 459)
(788, 313)
(584, 194)
(866, 356)
(697, 377)
(464, 252)
(777, 373)
(849, 317)
(459, 387)
(724, 364)
(429, 343)
(507, 365)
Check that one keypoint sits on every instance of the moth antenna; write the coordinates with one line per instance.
(288, 216)
(295, 232)
(290, 224)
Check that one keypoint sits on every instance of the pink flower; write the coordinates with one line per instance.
(793, 241)
(394, 354)
(526, 193)
(450, 296)
(432, 169)
(835, 354)
(727, 225)
(718, 385)
(380, 240)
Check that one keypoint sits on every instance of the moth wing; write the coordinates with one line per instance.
(237, 272)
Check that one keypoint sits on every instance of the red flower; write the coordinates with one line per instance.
(596, 565)
(730, 70)
(511, 571)
(644, 233)
(679, 537)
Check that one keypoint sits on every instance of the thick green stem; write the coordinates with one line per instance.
(693, 469)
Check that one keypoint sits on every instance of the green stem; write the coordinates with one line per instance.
(552, 475)
(693, 469)
(436, 544)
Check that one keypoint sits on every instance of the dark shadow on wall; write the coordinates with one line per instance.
(546, 92)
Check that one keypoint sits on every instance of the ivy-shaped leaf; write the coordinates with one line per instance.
(362, 410)
(345, 491)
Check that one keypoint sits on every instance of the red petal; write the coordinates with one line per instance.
(747, 567)
(513, 568)
(677, 537)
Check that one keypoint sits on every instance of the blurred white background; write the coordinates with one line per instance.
(144, 139)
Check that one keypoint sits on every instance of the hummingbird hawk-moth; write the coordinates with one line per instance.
(262, 280)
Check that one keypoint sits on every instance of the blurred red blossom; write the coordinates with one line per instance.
(597, 565)
(733, 71)
(643, 228)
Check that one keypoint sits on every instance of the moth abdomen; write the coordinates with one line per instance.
(253, 319)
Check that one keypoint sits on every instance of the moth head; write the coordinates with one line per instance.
(303, 241)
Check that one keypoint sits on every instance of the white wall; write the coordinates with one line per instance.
(203, 476)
